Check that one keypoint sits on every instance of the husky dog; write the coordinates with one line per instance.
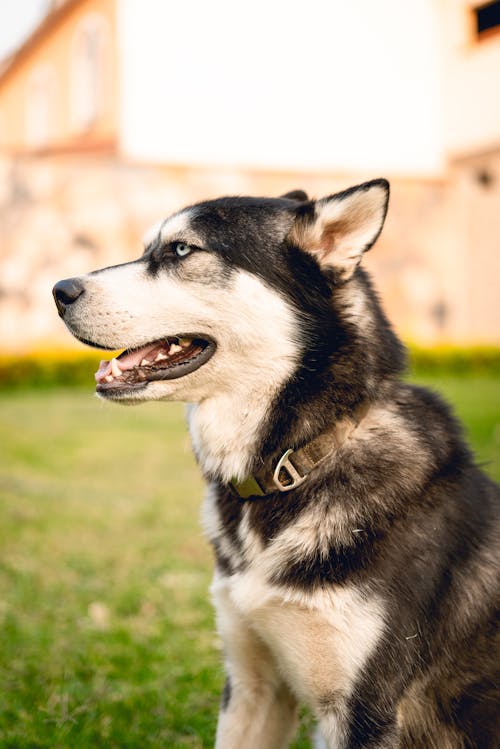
(354, 537)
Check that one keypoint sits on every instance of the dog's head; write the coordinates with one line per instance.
(227, 289)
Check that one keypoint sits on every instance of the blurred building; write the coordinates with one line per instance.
(116, 112)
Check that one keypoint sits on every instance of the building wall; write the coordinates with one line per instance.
(210, 83)
(476, 208)
(43, 95)
(471, 67)
(63, 217)
(337, 86)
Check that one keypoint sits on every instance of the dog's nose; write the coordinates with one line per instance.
(66, 292)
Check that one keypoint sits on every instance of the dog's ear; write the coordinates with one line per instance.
(299, 195)
(337, 230)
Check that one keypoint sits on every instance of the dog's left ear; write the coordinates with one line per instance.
(337, 230)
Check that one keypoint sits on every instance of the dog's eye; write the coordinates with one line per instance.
(182, 249)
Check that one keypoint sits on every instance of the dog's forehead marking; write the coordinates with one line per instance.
(173, 227)
(176, 226)
(152, 233)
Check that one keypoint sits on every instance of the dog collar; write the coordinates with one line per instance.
(294, 466)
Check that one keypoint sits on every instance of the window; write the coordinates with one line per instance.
(88, 73)
(39, 106)
(487, 19)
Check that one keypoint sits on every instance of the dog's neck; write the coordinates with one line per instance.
(226, 431)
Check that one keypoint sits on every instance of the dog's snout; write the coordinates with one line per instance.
(66, 292)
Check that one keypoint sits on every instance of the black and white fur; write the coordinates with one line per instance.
(369, 592)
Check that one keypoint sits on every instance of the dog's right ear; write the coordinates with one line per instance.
(299, 195)
(337, 230)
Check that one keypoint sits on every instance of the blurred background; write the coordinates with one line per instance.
(113, 114)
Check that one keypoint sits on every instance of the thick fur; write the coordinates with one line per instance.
(368, 593)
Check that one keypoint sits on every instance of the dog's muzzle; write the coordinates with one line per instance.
(66, 292)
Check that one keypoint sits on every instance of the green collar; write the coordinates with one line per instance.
(294, 466)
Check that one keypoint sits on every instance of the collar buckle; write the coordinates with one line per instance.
(295, 478)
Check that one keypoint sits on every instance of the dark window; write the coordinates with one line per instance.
(487, 17)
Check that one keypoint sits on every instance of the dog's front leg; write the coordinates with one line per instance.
(258, 715)
(257, 709)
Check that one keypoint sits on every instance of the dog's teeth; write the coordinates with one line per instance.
(145, 363)
(185, 342)
(174, 349)
(109, 378)
(161, 356)
(115, 368)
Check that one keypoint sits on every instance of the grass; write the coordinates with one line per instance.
(105, 623)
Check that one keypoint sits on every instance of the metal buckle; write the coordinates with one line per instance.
(296, 479)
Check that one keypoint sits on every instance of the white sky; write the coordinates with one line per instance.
(17, 19)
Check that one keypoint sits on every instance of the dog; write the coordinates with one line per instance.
(354, 537)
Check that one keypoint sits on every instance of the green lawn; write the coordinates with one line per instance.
(107, 636)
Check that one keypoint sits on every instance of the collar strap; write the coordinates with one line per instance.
(294, 466)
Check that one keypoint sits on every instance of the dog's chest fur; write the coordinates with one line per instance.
(313, 639)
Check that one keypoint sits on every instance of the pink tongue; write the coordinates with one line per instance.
(129, 360)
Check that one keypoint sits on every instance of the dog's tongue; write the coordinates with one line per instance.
(127, 361)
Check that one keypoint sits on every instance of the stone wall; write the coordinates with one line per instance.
(63, 216)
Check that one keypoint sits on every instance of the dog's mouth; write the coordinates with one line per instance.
(165, 359)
